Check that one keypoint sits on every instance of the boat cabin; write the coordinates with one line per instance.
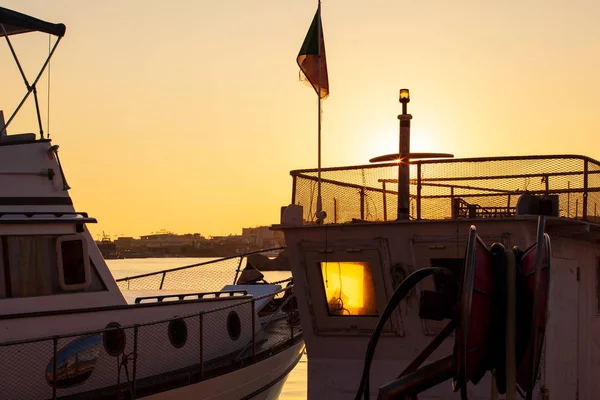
(347, 267)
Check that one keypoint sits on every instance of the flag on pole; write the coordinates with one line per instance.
(308, 57)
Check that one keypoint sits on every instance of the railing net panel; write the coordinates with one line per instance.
(480, 188)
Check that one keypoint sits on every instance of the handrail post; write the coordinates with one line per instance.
(585, 188)
(510, 265)
(294, 181)
(253, 332)
(135, 357)
(162, 281)
(55, 341)
(201, 334)
(362, 204)
(291, 319)
(384, 201)
(419, 190)
(237, 272)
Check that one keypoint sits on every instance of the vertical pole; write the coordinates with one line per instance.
(362, 204)
(54, 366)
(253, 332)
(568, 199)
(384, 201)
(201, 334)
(135, 358)
(237, 272)
(291, 319)
(585, 189)
(162, 281)
(511, 332)
(319, 199)
(404, 165)
(334, 210)
(419, 191)
(454, 207)
(294, 180)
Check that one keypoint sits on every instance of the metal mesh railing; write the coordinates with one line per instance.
(140, 359)
(446, 189)
(205, 276)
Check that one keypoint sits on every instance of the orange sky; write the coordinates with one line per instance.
(189, 115)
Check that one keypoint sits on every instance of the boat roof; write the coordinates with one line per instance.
(14, 23)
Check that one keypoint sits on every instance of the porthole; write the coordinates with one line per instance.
(234, 325)
(178, 333)
(114, 340)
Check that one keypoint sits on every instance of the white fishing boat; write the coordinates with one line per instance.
(68, 330)
(421, 273)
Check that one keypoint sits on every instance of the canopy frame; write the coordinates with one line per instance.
(12, 23)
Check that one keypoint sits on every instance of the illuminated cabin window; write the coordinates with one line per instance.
(349, 288)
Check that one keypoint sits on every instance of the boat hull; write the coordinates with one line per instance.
(260, 381)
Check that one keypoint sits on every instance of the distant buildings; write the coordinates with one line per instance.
(167, 244)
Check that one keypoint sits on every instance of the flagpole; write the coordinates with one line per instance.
(320, 214)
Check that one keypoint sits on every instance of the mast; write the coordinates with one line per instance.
(320, 213)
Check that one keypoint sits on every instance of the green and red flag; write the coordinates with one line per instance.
(308, 58)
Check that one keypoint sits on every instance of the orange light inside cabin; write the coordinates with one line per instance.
(349, 288)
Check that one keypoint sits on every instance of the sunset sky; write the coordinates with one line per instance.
(189, 115)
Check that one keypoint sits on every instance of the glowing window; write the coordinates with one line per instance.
(349, 288)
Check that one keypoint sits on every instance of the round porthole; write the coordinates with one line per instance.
(114, 340)
(177, 333)
(234, 325)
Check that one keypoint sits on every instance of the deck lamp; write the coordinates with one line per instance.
(404, 99)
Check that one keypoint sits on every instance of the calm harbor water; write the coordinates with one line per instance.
(295, 386)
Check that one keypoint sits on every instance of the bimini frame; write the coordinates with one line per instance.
(13, 23)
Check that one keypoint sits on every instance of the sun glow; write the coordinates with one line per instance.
(349, 288)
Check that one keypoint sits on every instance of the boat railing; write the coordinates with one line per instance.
(138, 359)
(203, 276)
(452, 188)
(287, 309)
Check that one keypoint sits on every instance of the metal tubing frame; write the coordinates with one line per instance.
(30, 88)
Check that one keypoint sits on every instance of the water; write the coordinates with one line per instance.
(295, 386)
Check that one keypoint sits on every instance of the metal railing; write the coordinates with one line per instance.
(192, 277)
(488, 187)
(146, 354)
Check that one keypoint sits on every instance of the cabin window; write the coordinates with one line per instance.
(39, 265)
(32, 265)
(73, 262)
(349, 288)
(346, 287)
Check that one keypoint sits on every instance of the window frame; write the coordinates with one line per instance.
(325, 323)
(86, 263)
